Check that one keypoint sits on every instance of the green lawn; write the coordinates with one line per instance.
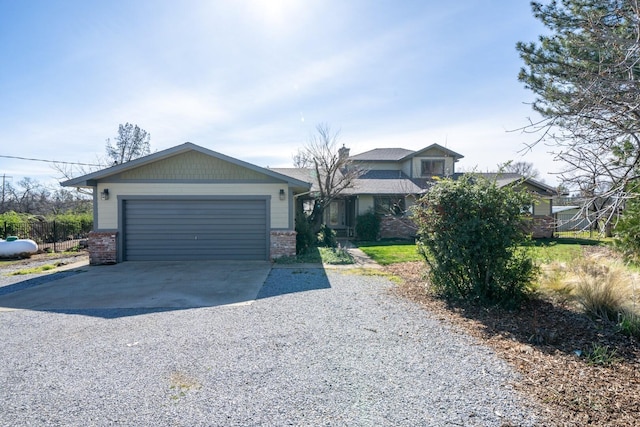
(390, 252)
(561, 249)
(394, 251)
(542, 250)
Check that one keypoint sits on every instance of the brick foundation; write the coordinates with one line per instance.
(542, 227)
(103, 247)
(283, 243)
(397, 227)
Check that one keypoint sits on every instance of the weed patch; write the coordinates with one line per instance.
(36, 270)
(335, 256)
(602, 355)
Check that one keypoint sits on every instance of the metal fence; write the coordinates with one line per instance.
(51, 236)
(573, 222)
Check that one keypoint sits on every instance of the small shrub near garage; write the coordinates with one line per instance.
(471, 234)
(327, 237)
(305, 237)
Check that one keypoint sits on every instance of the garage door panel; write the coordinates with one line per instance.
(219, 244)
(195, 230)
(201, 227)
(190, 216)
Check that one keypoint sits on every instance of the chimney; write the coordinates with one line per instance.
(343, 153)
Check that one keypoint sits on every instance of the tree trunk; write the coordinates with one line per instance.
(317, 217)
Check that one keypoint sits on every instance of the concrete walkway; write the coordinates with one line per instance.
(361, 260)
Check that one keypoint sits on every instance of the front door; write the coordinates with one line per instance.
(336, 214)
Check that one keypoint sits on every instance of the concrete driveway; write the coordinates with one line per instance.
(147, 285)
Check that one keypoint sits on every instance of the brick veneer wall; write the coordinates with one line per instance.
(283, 243)
(392, 227)
(395, 227)
(102, 247)
(542, 227)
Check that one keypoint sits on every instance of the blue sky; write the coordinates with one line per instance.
(251, 79)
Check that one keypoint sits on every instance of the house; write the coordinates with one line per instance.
(190, 203)
(573, 218)
(394, 178)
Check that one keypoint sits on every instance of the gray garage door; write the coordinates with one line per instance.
(164, 230)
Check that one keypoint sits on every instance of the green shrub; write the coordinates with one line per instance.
(337, 255)
(305, 238)
(627, 239)
(14, 224)
(368, 226)
(74, 224)
(470, 233)
(327, 237)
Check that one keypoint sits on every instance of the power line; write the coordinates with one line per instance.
(48, 161)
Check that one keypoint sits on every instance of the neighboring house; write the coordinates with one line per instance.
(190, 203)
(572, 218)
(394, 178)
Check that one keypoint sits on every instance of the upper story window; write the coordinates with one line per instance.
(432, 168)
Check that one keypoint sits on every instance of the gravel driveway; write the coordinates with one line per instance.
(315, 349)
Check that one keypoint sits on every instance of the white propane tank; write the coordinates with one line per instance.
(13, 247)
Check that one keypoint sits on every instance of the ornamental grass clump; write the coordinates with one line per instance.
(471, 234)
(605, 290)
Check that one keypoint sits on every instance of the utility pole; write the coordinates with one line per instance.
(4, 178)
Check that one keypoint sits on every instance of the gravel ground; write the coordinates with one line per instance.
(314, 349)
(12, 283)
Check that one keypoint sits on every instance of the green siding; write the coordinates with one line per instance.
(192, 166)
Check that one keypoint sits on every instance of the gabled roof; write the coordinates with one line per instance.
(446, 151)
(89, 180)
(506, 178)
(301, 174)
(383, 154)
(400, 154)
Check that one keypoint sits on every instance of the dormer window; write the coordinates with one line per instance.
(433, 167)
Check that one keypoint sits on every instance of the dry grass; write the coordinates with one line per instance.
(579, 371)
(598, 283)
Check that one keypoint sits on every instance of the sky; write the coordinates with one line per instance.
(252, 79)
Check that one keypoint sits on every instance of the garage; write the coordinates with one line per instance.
(192, 229)
(190, 203)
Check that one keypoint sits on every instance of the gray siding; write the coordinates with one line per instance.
(162, 230)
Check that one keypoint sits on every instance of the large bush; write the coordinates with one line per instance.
(368, 226)
(74, 224)
(14, 224)
(470, 232)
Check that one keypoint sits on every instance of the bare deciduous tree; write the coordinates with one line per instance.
(30, 196)
(332, 169)
(525, 169)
